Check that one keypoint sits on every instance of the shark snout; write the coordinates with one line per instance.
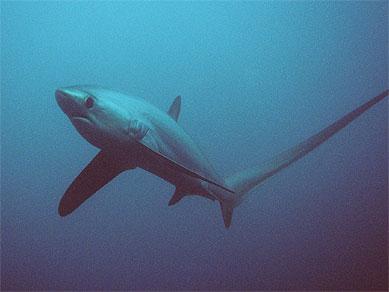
(61, 97)
(68, 103)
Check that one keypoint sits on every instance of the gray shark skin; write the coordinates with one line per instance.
(132, 133)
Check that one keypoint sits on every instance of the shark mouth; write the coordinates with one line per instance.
(79, 119)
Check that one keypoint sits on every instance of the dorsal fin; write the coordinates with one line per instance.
(174, 110)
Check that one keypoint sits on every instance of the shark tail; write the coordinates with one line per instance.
(244, 181)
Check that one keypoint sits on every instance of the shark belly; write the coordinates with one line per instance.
(168, 172)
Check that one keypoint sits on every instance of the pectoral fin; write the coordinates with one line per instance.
(102, 169)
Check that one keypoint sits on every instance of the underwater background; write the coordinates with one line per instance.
(255, 79)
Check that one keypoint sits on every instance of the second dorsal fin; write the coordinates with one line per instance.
(174, 110)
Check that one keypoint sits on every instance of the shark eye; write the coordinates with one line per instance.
(89, 102)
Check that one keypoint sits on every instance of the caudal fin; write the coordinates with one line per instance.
(243, 181)
(227, 210)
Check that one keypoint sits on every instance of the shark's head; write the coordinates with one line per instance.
(95, 116)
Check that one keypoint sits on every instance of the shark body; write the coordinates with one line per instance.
(132, 133)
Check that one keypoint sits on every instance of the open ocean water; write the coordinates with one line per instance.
(255, 78)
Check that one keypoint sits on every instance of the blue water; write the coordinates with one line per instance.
(255, 78)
